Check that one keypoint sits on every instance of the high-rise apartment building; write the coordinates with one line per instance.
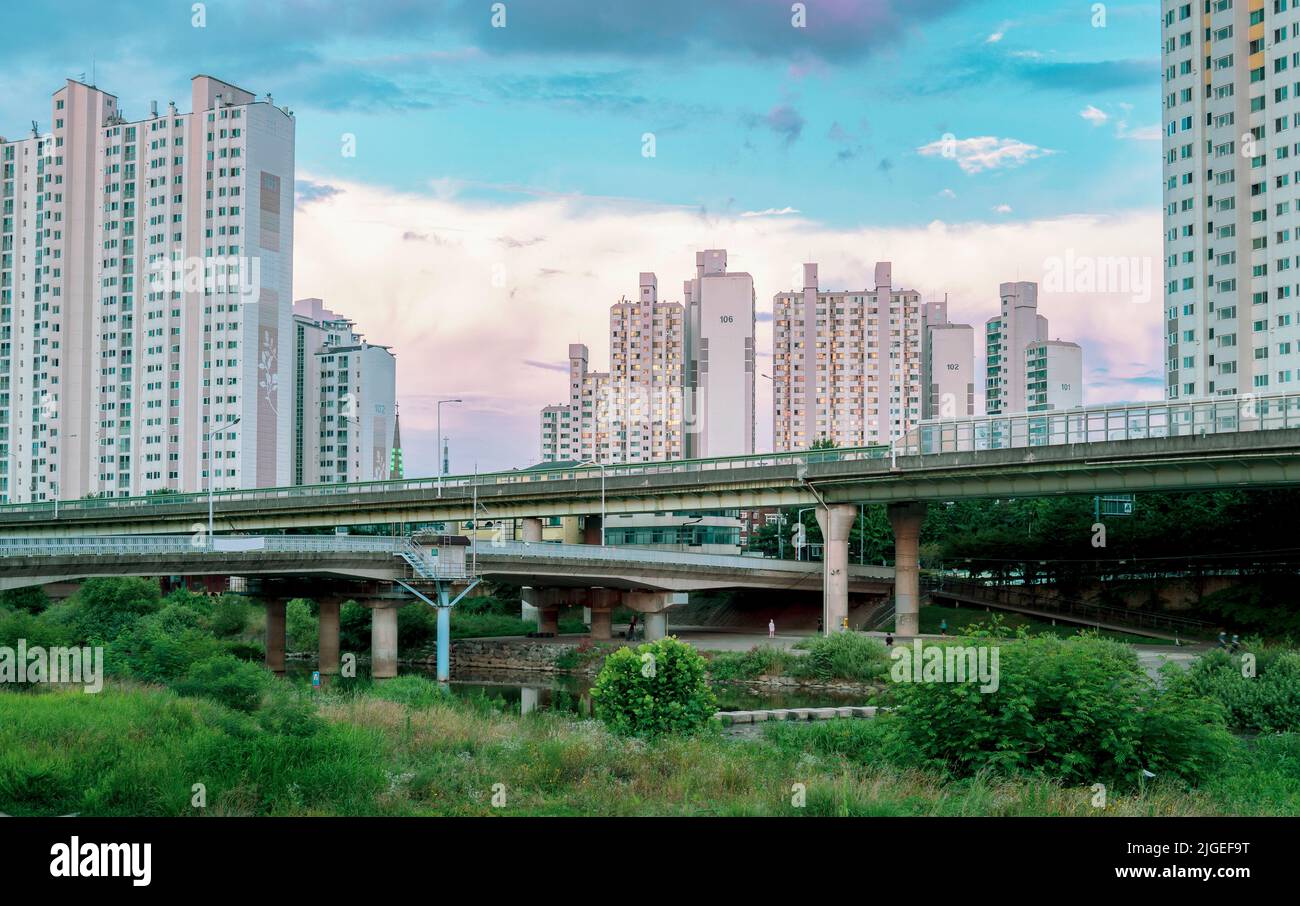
(633, 412)
(1053, 375)
(1231, 166)
(948, 364)
(846, 364)
(719, 381)
(1006, 337)
(345, 400)
(145, 275)
(1024, 370)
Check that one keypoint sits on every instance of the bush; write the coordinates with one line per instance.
(354, 628)
(657, 689)
(844, 656)
(410, 689)
(224, 678)
(1068, 709)
(300, 626)
(743, 665)
(1268, 702)
(230, 616)
(417, 626)
(36, 629)
(104, 608)
(32, 599)
(161, 648)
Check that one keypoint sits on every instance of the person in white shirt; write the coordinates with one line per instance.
(771, 629)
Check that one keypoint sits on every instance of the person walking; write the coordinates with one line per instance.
(943, 627)
(771, 629)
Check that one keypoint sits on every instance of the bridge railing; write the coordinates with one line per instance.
(620, 554)
(424, 563)
(1096, 424)
(1088, 424)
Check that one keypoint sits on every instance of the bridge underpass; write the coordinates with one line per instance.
(384, 574)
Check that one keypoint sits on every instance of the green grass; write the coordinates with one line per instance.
(135, 750)
(841, 656)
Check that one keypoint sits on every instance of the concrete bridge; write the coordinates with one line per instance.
(384, 574)
(1248, 442)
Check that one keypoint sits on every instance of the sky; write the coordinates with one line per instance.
(477, 182)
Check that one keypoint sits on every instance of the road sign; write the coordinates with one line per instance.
(1116, 505)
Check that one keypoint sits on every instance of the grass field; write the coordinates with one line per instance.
(404, 749)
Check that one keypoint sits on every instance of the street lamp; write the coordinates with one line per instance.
(440, 463)
(211, 470)
(601, 466)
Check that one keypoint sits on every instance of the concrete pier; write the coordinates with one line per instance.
(836, 521)
(906, 519)
(383, 639)
(275, 636)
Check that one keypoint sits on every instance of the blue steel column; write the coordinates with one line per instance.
(444, 634)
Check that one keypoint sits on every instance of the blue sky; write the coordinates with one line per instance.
(837, 127)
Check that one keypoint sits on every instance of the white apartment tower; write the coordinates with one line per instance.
(345, 400)
(1231, 165)
(846, 364)
(1006, 337)
(145, 276)
(948, 358)
(1024, 370)
(1053, 375)
(719, 381)
(633, 412)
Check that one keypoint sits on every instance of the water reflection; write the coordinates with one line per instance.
(525, 691)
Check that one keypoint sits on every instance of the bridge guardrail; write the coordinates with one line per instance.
(424, 566)
(1089, 424)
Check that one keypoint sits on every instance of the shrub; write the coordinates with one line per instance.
(1068, 709)
(354, 627)
(300, 625)
(409, 689)
(36, 629)
(224, 678)
(32, 599)
(757, 661)
(230, 616)
(844, 656)
(1268, 702)
(417, 626)
(104, 608)
(160, 648)
(657, 689)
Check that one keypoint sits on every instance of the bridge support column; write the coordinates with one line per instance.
(656, 625)
(653, 607)
(906, 518)
(328, 632)
(602, 602)
(532, 528)
(383, 639)
(275, 636)
(528, 603)
(835, 522)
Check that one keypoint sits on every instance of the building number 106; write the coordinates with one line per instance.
(726, 319)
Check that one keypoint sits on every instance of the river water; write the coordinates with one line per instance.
(525, 691)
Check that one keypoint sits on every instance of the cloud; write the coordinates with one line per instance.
(492, 323)
(307, 191)
(771, 212)
(998, 34)
(947, 193)
(1152, 133)
(986, 152)
(1002, 209)
(548, 366)
(785, 121)
(1093, 115)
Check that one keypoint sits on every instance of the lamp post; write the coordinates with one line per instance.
(601, 466)
(440, 463)
(211, 476)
